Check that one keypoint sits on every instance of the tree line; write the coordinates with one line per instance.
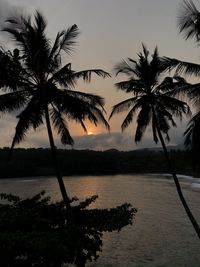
(88, 162)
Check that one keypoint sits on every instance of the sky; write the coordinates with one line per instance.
(111, 30)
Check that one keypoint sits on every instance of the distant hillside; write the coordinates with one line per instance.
(38, 162)
(175, 147)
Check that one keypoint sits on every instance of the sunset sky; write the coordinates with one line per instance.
(111, 30)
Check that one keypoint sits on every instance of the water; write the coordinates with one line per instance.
(161, 235)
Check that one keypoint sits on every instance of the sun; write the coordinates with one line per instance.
(90, 133)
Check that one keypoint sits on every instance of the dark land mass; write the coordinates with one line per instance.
(38, 162)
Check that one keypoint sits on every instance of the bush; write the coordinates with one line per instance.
(34, 231)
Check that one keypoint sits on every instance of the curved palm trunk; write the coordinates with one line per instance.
(57, 170)
(178, 187)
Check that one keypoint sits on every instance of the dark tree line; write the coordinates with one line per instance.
(37, 162)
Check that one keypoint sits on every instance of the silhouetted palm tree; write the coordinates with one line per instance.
(43, 86)
(153, 103)
(189, 25)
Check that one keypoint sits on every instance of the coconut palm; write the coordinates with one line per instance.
(189, 25)
(153, 104)
(43, 88)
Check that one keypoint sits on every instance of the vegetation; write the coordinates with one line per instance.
(42, 87)
(155, 104)
(33, 232)
(37, 162)
(189, 25)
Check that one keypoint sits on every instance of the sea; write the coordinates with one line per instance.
(161, 234)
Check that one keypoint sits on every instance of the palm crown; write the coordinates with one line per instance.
(189, 25)
(42, 85)
(153, 101)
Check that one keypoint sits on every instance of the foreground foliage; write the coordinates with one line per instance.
(33, 231)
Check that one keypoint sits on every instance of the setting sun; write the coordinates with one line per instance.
(90, 133)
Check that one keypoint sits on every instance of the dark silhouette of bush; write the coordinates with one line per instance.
(34, 232)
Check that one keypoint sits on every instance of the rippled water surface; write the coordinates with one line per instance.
(161, 234)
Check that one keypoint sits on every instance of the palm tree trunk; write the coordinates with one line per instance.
(57, 170)
(178, 187)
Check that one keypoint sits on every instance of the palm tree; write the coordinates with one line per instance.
(189, 25)
(153, 103)
(43, 87)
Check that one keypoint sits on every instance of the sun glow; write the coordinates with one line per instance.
(90, 133)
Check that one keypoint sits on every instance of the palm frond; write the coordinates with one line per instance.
(92, 99)
(175, 106)
(60, 124)
(129, 118)
(83, 126)
(193, 129)
(63, 76)
(175, 87)
(194, 94)
(149, 70)
(155, 63)
(56, 45)
(163, 117)
(91, 113)
(126, 67)
(32, 42)
(166, 85)
(145, 51)
(79, 106)
(143, 120)
(12, 75)
(31, 116)
(68, 39)
(97, 113)
(123, 106)
(189, 20)
(186, 68)
(87, 74)
(54, 61)
(13, 101)
(16, 36)
(134, 86)
(40, 22)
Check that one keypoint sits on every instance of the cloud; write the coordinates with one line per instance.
(104, 141)
(101, 142)
(120, 141)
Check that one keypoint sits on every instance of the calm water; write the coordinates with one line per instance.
(161, 234)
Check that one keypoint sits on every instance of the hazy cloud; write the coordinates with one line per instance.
(117, 140)
(120, 141)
